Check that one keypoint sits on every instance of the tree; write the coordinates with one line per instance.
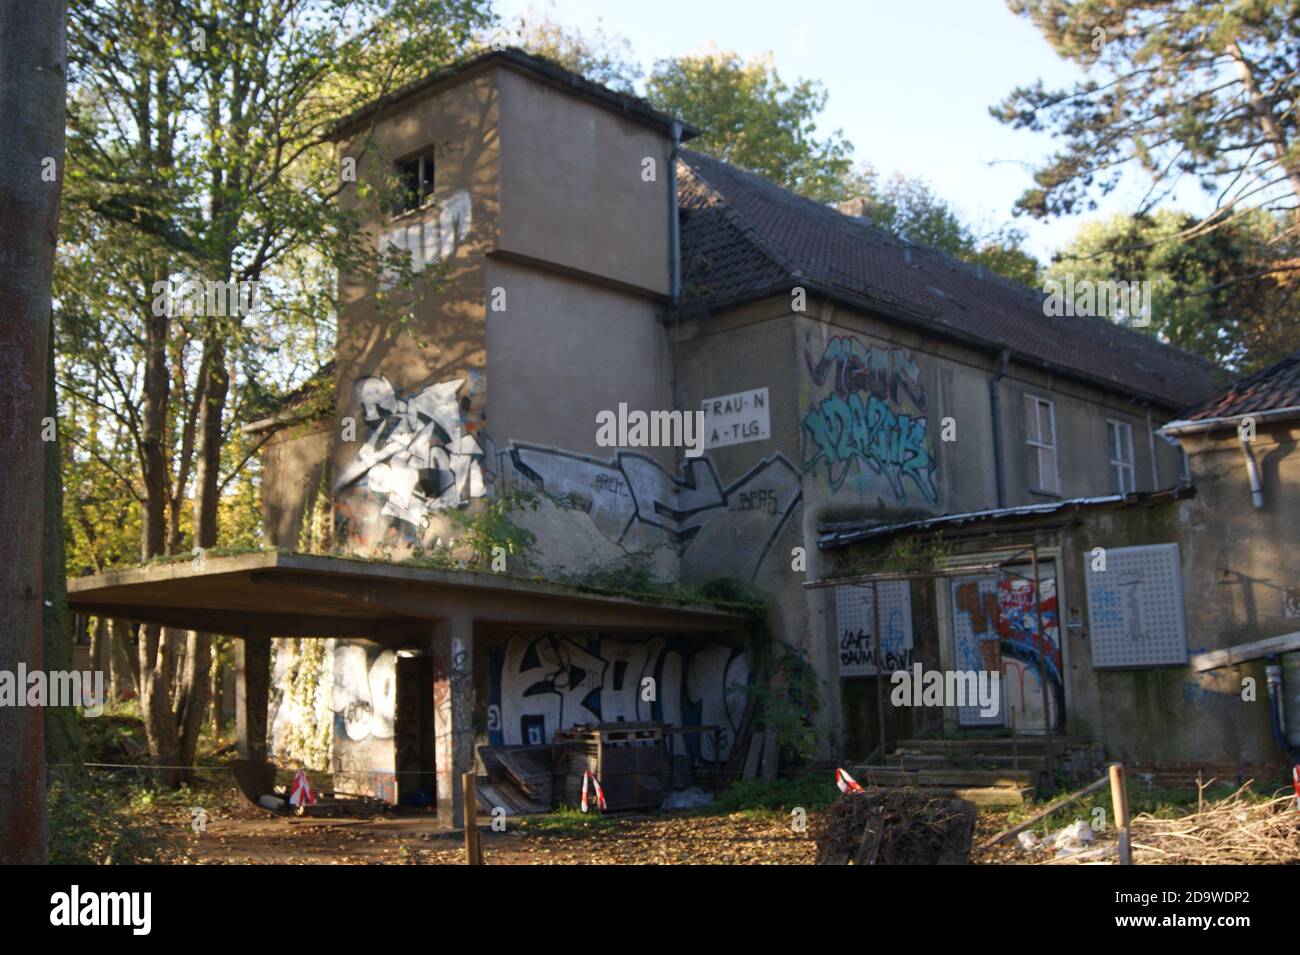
(601, 57)
(910, 208)
(1174, 88)
(753, 119)
(1198, 300)
(205, 175)
(32, 108)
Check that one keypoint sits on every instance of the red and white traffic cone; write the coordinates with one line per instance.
(600, 793)
(300, 793)
(846, 782)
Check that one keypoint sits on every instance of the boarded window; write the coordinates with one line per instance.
(1135, 607)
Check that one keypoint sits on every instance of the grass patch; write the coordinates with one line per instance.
(565, 820)
(810, 792)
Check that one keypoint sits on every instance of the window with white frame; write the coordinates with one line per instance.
(1040, 436)
(1119, 444)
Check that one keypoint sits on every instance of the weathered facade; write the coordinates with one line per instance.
(572, 257)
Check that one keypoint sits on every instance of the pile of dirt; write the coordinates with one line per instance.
(888, 826)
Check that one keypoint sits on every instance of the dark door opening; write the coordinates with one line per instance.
(413, 728)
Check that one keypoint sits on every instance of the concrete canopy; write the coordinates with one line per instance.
(279, 594)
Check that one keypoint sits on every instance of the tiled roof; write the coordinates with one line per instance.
(743, 237)
(1274, 388)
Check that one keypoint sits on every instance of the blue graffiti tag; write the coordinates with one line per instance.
(893, 445)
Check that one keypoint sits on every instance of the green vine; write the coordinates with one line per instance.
(310, 740)
(789, 701)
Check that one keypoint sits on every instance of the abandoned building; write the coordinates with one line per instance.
(865, 400)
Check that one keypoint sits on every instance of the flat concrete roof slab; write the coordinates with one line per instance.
(273, 593)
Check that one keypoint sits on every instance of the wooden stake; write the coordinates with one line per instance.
(469, 814)
(1119, 799)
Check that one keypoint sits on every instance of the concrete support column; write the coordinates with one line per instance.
(453, 709)
(252, 695)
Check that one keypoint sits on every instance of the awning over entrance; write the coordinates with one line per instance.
(437, 612)
(272, 594)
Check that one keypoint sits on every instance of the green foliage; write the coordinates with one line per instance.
(601, 57)
(91, 824)
(810, 792)
(487, 531)
(788, 700)
(567, 820)
(910, 554)
(909, 207)
(1173, 88)
(752, 118)
(1175, 91)
(309, 740)
(1199, 298)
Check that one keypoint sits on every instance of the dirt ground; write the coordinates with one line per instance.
(238, 834)
(243, 837)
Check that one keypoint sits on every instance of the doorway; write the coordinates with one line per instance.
(999, 627)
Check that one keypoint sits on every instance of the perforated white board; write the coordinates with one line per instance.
(1135, 607)
(855, 627)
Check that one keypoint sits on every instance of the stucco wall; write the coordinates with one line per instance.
(893, 387)
(400, 351)
(572, 187)
(293, 465)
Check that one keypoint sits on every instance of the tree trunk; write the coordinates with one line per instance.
(63, 743)
(124, 663)
(157, 658)
(33, 89)
(215, 694)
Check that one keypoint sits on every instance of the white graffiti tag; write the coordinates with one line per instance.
(418, 457)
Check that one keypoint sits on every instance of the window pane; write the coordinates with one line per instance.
(1046, 432)
(1047, 469)
(1031, 418)
(426, 176)
(1111, 441)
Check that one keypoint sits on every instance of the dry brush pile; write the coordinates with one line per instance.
(1237, 830)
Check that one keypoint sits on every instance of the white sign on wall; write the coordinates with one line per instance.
(1135, 607)
(735, 419)
(855, 628)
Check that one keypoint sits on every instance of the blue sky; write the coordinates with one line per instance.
(909, 83)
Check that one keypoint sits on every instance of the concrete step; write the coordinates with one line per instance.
(1036, 763)
(944, 777)
(987, 745)
(995, 796)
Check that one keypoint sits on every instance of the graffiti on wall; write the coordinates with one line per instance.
(855, 622)
(365, 706)
(870, 420)
(418, 456)
(543, 683)
(996, 626)
(431, 241)
(692, 508)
